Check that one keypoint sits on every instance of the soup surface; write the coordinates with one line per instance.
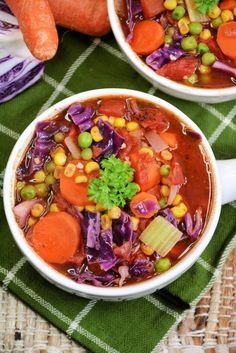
(113, 191)
(188, 41)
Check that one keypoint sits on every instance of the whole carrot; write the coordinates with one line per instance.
(37, 25)
(85, 16)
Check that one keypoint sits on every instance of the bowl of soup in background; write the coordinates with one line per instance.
(222, 185)
(174, 88)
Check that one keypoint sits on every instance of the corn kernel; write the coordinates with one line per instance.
(53, 207)
(205, 34)
(146, 150)
(165, 190)
(114, 212)
(234, 11)
(215, 12)
(204, 69)
(70, 170)
(31, 221)
(57, 172)
(81, 179)
(166, 155)
(135, 223)
(183, 25)
(96, 135)
(91, 167)
(180, 210)
(227, 15)
(39, 176)
(178, 198)
(60, 158)
(103, 117)
(111, 120)
(99, 207)
(95, 120)
(146, 249)
(119, 122)
(132, 126)
(37, 210)
(90, 208)
(58, 149)
(106, 222)
(170, 4)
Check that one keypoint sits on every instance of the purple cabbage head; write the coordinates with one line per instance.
(134, 9)
(81, 115)
(123, 230)
(164, 56)
(169, 216)
(111, 142)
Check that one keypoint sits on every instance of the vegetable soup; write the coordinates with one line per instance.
(189, 41)
(113, 191)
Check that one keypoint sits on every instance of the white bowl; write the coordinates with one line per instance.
(89, 291)
(166, 85)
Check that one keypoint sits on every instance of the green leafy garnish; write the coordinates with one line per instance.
(204, 6)
(113, 187)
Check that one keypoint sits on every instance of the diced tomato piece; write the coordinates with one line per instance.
(170, 138)
(132, 143)
(96, 151)
(124, 250)
(179, 69)
(155, 191)
(152, 8)
(214, 48)
(153, 119)
(227, 4)
(74, 131)
(147, 171)
(112, 107)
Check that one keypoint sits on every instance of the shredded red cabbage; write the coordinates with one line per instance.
(165, 55)
(81, 115)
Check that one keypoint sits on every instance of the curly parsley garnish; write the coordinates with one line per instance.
(113, 187)
(204, 6)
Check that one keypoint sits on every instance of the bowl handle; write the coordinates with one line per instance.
(227, 171)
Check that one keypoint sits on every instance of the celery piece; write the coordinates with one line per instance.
(194, 14)
(160, 235)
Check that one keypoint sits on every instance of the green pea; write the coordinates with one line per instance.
(216, 22)
(193, 78)
(208, 59)
(87, 154)
(20, 185)
(195, 27)
(171, 31)
(162, 265)
(85, 139)
(50, 180)
(28, 192)
(162, 203)
(41, 189)
(168, 39)
(189, 43)
(59, 137)
(178, 12)
(165, 170)
(202, 48)
(50, 167)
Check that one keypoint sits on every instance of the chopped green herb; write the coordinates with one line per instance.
(204, 6)
(113, 187)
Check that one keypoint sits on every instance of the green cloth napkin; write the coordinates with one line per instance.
(138, 326)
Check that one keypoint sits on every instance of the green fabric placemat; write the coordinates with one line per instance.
(138, 326)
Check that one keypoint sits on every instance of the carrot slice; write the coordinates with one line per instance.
(143, 199)
(227, 4)
(226, 39)
(148, 36)
(170, 138)
(56, 237)
(152, 8)
(76, 194)
(85, 16)
(37, 25)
